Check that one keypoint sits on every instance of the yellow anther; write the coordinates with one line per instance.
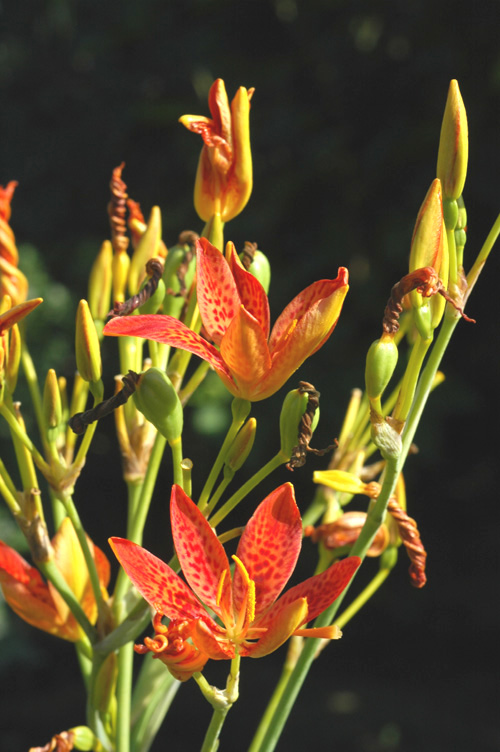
(220, 586)
(250, 594)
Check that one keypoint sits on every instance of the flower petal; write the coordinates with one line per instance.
(269, 548)
(303, 302)
(158, 584)
(13, 315)
(172, 332)
(320, 591)
(279, 629)
(245, 353)
(218, 297)
(251, 292)
(201, 555)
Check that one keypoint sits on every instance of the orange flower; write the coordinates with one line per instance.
(224, 178)
(254, 618)
(252, 363)
(38, 602)
(12, 281)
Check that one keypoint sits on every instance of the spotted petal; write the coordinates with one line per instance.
(269, 548)
(245, 352)
(201, 555)
(280, 629)
(158, 584)
(172, 332)
(218, 297)
(320, 591)
(252, 295)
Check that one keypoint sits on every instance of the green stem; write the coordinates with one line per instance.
(25, 439)
(240, 409)
(362, 598)
(221, 702)
(124, 696)
(52, 573)
(410, 378)
(483, 255)
(234, 500)
(137, 527)
(34, 389)
(176, 449)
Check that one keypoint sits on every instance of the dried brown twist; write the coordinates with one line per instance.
(117, 210)
(409, 534)
(299, 452)
(154, 270)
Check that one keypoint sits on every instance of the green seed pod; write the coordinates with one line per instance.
(259, 267)
(156, 398)
(153, 303)
(241, 447)
(173, 303)
(381, 361)
(84, 739)
(294, 407)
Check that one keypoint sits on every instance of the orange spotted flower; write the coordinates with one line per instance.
(252, 363)
(251, 619)
(224, 178)
(38, 602)
(12, 281)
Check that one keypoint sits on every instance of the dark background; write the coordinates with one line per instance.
(345, 124)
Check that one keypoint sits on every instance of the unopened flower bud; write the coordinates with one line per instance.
(381, 361)
(241, 447)
(100, 283)
(453, 145)
(13, 358)
(178, 275)
(120, 267)
(148, 247)
(156, 398)
(88, 352)
(294, 407)
(51, 404)
(257, 264)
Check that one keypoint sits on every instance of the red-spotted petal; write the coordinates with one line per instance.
(279, 629)
(251, 292)
(172, 332)
(269, 548)
(201, 555)
(158, 584)
(245, 352)
(218, 297)
(320, 591)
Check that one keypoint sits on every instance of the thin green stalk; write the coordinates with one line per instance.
(24, 438)
(483, 255)
(221, 702)
(410, 378)
(34, 389)
(124, 696)
(362, 598)
(258, 477)
(137, 527)
(9, 496)
(240, 409)
(176, 449)
(122, 581)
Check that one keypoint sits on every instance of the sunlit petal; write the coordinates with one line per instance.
(269, 548)
(245, 352)
(251, 293)
(218, 297)
(280, 629)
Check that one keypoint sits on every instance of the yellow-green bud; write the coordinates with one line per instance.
(148, 247)
(173, 303)
(100, 282)
(120, 267)
(453, 145)
(88, 351)
(51, 404)
(259, 267)
(13, 358)
(85, 740)
(156, 398)
(381, 361)
(154, 302)
(294, 407)
(241, 447)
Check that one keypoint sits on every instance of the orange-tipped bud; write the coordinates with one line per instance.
(88, 351)
(52, 405)
(241, 447)
(224, 178)
(453, 145)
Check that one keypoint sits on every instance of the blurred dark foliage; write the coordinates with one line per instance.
(345, 125)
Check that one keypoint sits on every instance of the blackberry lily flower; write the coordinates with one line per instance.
(252, 363)
(38, 602)
(251, 619)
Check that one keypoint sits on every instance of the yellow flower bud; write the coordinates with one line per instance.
(242, 446)
(88, 352)
(51, 404)
(100, 282)
(453, 145)
(148, 247)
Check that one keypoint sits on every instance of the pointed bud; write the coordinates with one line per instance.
(241, 447)
(120, 267)
(12, 315)
(156, 398)
(148, 247)
(381, 361)
(14, 358)
(154, 302)
(178, 275)
(100, 283)
(294, 407)
(257, 264)
(87, 349)
(51, 404)
(453, 145)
